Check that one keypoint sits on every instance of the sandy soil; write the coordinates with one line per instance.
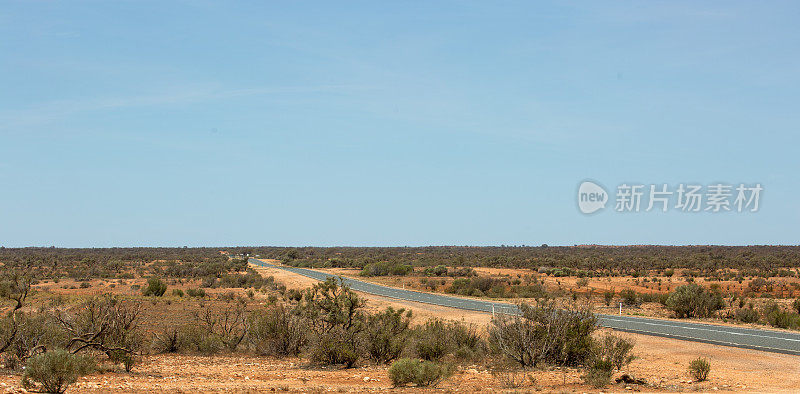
(661, 364)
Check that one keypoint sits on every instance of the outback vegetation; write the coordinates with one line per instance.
(69, 312)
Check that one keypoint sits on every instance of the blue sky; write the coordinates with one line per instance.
(391, 123)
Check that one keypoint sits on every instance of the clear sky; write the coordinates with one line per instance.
(196, 123)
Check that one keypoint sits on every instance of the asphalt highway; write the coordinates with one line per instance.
(748, 338)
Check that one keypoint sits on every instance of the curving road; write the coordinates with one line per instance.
(748, 338)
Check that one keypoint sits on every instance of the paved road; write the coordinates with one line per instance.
(748, 338)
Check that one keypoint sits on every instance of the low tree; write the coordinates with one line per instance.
(336, 319)
(105, 324)
(37, 333)
(155, 287)
(14, 286)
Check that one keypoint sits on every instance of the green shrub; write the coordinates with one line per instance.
(386, 334)
(437, 339)
(480, 286)
(200, 293)
(439, 270)
(693, 300)
(469, 344)
(385, 268)
(201, 340)
(535, 290)
(758, 284)
(238, 280)
(777, 317)
(747, 315)
(294, 295)
(630, 297)
(699, 369)
(431, 341)
(334, 348)
(177, 292)
(210, 344)
(796, 305)
(155, 287)
(421, 373)
(54, 371)
(608, 296)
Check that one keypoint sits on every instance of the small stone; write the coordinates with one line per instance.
(366, 378)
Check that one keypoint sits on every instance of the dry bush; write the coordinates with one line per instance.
(228, 326)
(614, 349)
(105, 324)
(276, 331)
(599, 373)
(386, 333)
(544, 332)
(421, 373)
(699, 369)
(437, 338)
(169, 340)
